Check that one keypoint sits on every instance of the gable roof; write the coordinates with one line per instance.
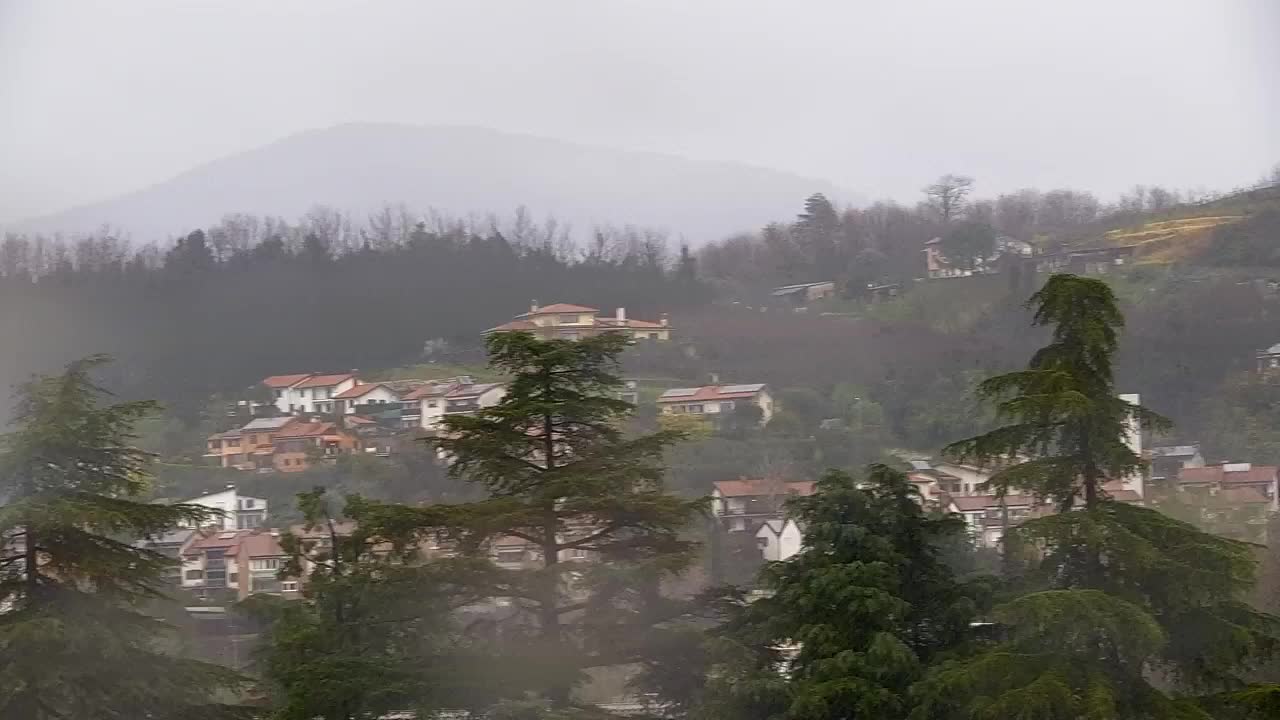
(468, 391)
(974, 503)
(284, 381)
(271, 423)
(357, 390)
(311, 429)
(750, 487)
(432, 389)
(514, 325)
(325, 380)
(1255, 474)
(560, 308)
(711, 392)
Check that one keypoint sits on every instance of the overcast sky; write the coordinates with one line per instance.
(102, 97)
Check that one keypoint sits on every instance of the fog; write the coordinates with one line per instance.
(100, 98)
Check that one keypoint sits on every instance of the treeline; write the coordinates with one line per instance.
(884, 243)
(249, 296)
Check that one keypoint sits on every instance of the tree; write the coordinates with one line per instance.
(1108, 591)
(597, 530)
(861, 611)
(969, 243)
(817, 230)
(75, 637)
(370, 635)
(947, 195)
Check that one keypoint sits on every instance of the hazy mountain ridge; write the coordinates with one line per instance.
(459, 171)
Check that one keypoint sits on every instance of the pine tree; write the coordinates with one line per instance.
(587, 500)
(1111, 591)
(75, 640)
(867, 606)
(817, 230)
(371, 634)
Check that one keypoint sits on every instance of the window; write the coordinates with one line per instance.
(653, 336)
(233, 442)
(577, 553)
(233, 578)
(322, 393)
(279, 394)
(726, 406)
(195, 574)
(568, 334)
(265, 564)
(289, 586)
(510, 554)
(247, 503)
(253, 439)
(432, 403)
(568, 319)
(694, 408)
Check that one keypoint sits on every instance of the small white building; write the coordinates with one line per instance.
(347, 401)
(779, 539)
(745, 503)
(717, 400)
(238, 512)
(308, 392)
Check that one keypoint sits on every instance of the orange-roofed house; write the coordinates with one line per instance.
(309, 392)
(234, 564)
(744, 504)
(713, 400)
(299, 444)
(574, 322)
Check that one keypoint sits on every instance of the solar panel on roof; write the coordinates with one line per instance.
(740, 388)
(680, 392)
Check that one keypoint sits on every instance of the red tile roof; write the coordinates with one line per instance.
(1256, 474)
(1244, 495)
(358, 390)
(306, 430)
(641, 324)
(759, 486)
(261, 544)
(284, 381)
(514, 325)
(972, 503)
(325, 380)
(561, 308)
(431, 390)
(711, 392)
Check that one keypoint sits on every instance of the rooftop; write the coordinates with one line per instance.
(711, 392)
(358, 390)
(1230, 474)
(284, 381)
(752, 487)
(559, 308)
(272, 423)
(325, 380)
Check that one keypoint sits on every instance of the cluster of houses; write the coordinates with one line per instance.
(1081, 261)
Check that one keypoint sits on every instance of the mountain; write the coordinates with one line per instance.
(459, 171)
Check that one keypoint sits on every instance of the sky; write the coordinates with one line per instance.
(100, 97)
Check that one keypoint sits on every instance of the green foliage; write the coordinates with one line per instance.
(75, 640)
(862, 610)
(372, 634)
(1064, 412)
(968, 243)
(564, 478)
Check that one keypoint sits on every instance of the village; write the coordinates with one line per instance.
(304, 419)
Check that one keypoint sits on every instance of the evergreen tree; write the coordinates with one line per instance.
(969, 243)
(865, 608)
(817, 230)
(1110, 591)
(586, 500)
(75, 639)
(371, 635)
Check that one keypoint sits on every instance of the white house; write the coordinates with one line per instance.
(779, 539)
(743, 504)
(365, 394)
(716, 400)
(309, 392)
(238, 512)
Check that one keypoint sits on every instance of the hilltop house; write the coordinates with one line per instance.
(298, 444)
(573, 322)
(308, 392)
(234, 564)
(1241, 480)
(779, 539)
(938, 266)
(237, 512)
(803, 294)
(249, 447)
(716, 400)
(744, 504)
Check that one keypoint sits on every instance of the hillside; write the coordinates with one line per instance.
(458, 171)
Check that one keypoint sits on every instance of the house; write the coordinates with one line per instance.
(987, 516)
(714, 400)
(938, 266)
(803, 294)
(234, 564)
(236, 511)
(365, 394)
(308, 392)
(1087, 261)
(743, 504)
(170, 545)
(779, 539)
(249, 447)
(1168, 461)
(573, 322)
(1231, 478)
(472, 397)
(298, 444)
(1269, 360)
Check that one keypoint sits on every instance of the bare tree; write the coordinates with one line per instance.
(947, 195)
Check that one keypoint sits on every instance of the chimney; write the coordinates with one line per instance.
(665, 320)
(715, 378)
(622, 316)
(533, 306)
